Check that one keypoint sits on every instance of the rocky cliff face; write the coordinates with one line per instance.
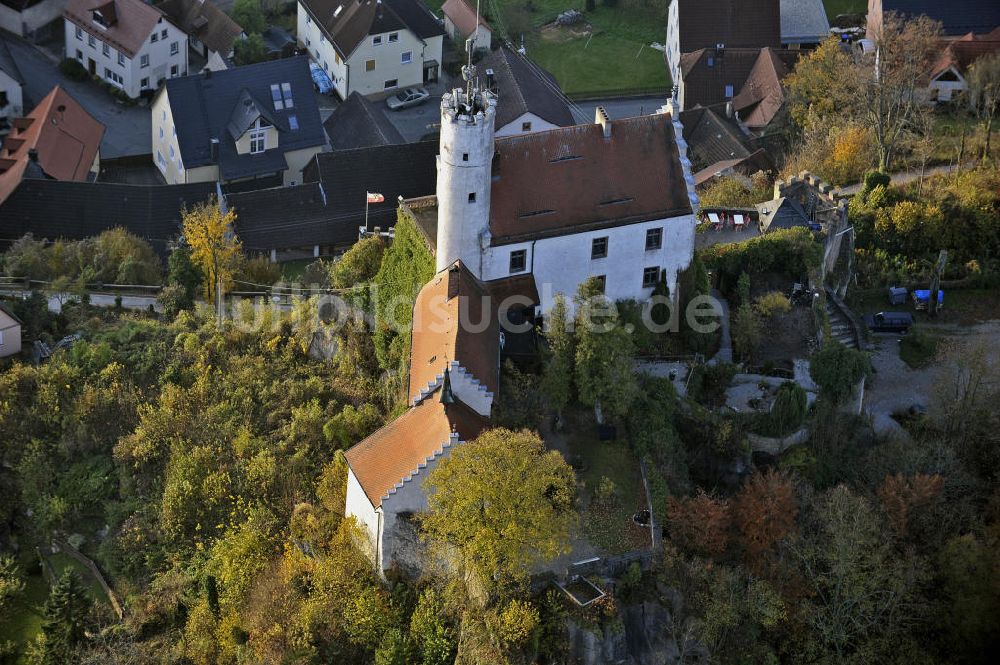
(641, 637)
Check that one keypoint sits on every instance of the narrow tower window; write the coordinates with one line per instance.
(465, 156)
(472, 197)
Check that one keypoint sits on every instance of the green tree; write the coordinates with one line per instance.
(250, 50)
(249, 15)
(359, 264)
(836, 369)
(605, 373)
(503, 503)
(11, 584)
(560, 357)
(63, 619)
(185, 275)
(813, 89)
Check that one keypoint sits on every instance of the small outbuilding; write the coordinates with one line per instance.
(10, 332)
(463, 22)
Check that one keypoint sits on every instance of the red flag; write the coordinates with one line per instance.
(375, 197)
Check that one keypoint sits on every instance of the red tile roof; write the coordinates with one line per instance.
(463, 15)
(962, 52)
(572, 179)
(762, 96)
(129, 21)
(396, 451)
(65, 136)
(447, 318)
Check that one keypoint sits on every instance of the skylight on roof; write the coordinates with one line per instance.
(276, 97)
(336, 12)
(286, 93)
(293, 122)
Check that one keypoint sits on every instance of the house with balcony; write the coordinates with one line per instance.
(373, 47)
(247, 127)
(131, 45)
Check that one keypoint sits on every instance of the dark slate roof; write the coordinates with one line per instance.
(957, 16)
(287, 217)
(276, 38)
(356, 19)
(523, 87)
(74, 210)
(783, 213)
(204, 107)
(735, 23)
(712, 136)
(803, 21)
(7, 63)
(357, 123)
(408, 170)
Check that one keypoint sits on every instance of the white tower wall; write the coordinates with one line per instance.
(463, 178)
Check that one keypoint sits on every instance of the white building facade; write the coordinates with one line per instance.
(115, 55)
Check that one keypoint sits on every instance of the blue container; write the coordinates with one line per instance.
(897, 295)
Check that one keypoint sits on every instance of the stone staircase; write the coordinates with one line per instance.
(843, 327)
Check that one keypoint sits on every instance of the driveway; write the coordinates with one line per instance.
(128, 128)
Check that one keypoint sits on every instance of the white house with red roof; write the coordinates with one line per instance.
(131, 45)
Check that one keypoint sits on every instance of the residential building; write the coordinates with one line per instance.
(947, 78)
(803, 23)
(372, 46)
(957, 17)
(466, 25)
(11, 94)
(749, 79)
(612, 200)
(211, 32)
(357, 123)
(695, 24)
(57, 140)
(528, 97)
(35, 20)
(131, 45)
(248, 127)
(10, 332)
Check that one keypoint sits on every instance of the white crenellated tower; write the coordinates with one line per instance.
(464, 166)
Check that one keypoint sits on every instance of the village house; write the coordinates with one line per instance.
(10, 332)
(528, 97)
(11, 94)
(36, 20)
(957, 17)
(58, 140)
(947, 78)
(211, 32)
(249, 127)
(464, 24)
(372, 46)
(131, 45)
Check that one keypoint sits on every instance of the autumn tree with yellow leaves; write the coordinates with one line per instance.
(215, 248)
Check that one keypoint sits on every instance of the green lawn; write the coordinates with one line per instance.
(24, 620)
(608, 525)
(835, 7)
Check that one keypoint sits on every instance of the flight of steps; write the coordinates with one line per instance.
(840, 326)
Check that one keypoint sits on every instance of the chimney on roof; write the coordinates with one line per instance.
(447, 397)
(601, 118)
(454, 277)
(33, 155)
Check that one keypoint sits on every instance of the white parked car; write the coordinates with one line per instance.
(406, 98)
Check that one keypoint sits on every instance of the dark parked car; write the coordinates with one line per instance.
(889, 322)
(407, 98)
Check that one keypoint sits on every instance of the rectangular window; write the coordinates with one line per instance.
(144, 83)
(472, 197)
(602, 282)
(393, 37)
(518, 260)
(163, 33)
(91, 41)
(173, 71)
(153, 38)
(79, 55)
(525, 126)
(599, 248)
(258, 142)
(654, 239)
(159, 160)
(161, 128)
(391, 83)
(113, 77)
(105, 48)
(406, 58)
(144, 61)
(173, 155)
(79, 33)
(369, 65)
(121, 58)
(376, 40)
(650, 277)
(174, 48)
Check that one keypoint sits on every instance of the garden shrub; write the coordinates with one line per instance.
(788, 411)
(72, 69)
(837, 369)
(792, 252)
(771, 303)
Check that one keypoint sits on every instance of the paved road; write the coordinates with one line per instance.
(128, 127)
